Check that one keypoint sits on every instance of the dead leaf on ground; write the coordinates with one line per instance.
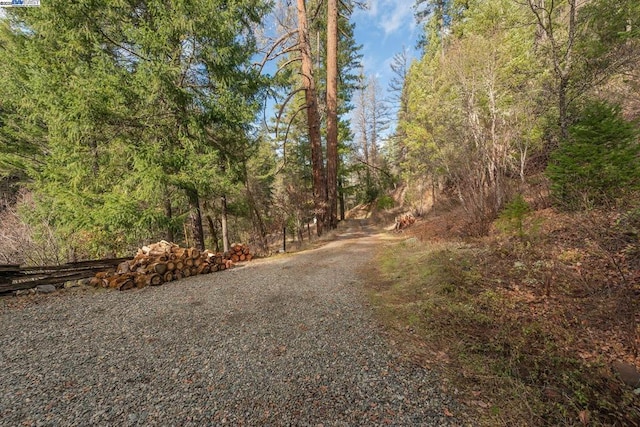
(584, 417)
(480, 403)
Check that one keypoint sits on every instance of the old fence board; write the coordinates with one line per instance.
(14, 278)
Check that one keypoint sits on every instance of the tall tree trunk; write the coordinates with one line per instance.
(169, 214)
(258, 222)
(332, 113)
(313, 118)
(214, 233)
(196, 219)
(224, 225)
(563, 103)
(561, 54)
(341, 199)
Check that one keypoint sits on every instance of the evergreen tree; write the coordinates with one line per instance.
(293, 110)
(598, 164)
(138, 102)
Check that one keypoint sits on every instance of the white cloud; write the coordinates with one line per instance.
(395, 15)
(390, 15)
(372, 8)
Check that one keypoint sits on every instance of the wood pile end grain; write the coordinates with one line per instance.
(163, 262)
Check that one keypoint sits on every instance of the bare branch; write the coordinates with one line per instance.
(274, 46)
(284, 104)
(373, 167)
(286, 137)
(289, 62)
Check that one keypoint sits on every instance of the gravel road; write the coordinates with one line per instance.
(282, 341)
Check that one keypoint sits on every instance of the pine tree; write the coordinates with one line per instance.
(139, 103)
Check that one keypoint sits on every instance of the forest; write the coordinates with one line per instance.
(208, 122)
(124, 123)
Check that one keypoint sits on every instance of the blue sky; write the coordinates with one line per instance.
(382, 30)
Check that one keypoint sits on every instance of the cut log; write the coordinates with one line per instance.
(138, 261)
(121, 282)
(243, 257)
(154, 279)
(126, 285)
(162, 246)
(157, 254)
(188, 262)
(141, 281)
(168, 276)
(113, 282)
(177, 275)
(123, 267)
(158, 267)
(180, 253)
(95, 282)
(171, 265)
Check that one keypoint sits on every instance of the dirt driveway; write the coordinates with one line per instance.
(288, 340)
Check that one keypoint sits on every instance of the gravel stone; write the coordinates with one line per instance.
(282, 341)
(45, 289)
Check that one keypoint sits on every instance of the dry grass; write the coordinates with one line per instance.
(527, 327)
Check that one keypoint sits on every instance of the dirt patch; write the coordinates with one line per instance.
(536, 328)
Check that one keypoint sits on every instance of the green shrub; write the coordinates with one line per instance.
(385, 202)
(599, 162)
(511, 219)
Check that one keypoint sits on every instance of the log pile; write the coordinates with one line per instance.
(239, 253)
(403, 221)
(163, 262)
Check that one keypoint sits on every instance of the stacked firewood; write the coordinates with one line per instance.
(403, 221)
(239, 253)
(163, 262)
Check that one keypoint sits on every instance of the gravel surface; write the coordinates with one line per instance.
(281, 341)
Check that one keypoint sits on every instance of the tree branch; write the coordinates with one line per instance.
(267, 56)
(282, 107)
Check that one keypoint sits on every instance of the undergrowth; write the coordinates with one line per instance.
(502, 321)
